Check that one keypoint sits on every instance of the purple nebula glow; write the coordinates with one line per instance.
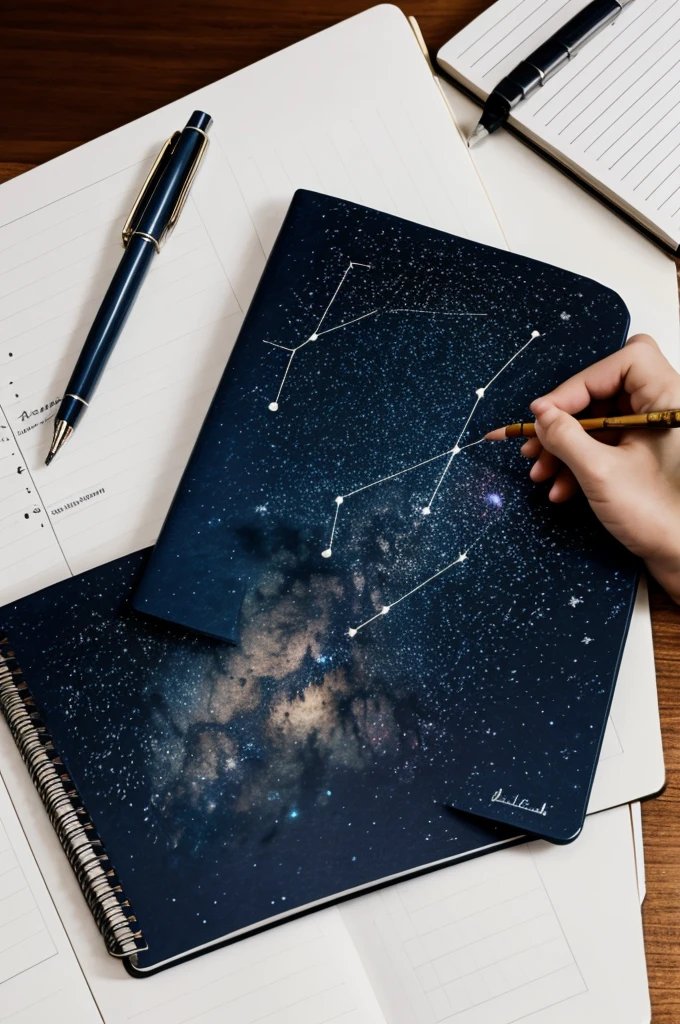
(494, 499)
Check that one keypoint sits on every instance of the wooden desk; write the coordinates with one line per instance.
(71, 71)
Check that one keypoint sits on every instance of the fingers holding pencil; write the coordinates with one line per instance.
(631, 477)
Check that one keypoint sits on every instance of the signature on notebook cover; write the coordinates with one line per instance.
(522, 805)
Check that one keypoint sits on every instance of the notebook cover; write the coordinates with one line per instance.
(227, 796)
(339, 480)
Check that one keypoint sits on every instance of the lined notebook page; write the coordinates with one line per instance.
(377, 133)
(39, 975)
(304, 972)
(612, 115)
(540, 933)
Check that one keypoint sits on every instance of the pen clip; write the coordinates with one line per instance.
(179, 206)
(149, 185)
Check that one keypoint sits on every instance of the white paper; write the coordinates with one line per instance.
(39, 975)
(636, 819)
(303, 972)
(544, 933)
(612, 115)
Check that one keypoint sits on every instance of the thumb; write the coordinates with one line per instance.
(561, 434)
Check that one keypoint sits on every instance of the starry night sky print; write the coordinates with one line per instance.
(232, 783)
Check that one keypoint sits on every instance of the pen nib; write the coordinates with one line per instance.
(478, 134)
(62, 432)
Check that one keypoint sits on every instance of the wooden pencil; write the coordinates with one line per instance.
(661, 419)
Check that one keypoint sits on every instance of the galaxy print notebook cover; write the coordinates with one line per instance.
(388, 556)
(198, 794)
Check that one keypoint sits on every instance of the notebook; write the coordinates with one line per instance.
(197, 805)
(611, 118)
(341, 504)
(363, 960)
(382, 135)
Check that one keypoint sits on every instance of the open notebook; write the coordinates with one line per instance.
(541, 933)
(612, 117)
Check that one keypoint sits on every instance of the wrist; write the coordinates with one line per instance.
(666, 571)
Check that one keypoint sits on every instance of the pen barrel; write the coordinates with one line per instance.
(580, 29)
(520, 83)
(108, 323)
(162, 204)
(557, 51)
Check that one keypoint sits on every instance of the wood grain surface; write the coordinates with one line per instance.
(73, 69)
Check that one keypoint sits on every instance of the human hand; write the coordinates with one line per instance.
(631, 478)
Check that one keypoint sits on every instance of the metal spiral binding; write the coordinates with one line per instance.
(77, 835)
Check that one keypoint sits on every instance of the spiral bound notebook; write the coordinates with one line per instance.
(190, 814)
(342, 523)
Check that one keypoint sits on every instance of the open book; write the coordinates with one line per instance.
(542, 933)
(611, 117)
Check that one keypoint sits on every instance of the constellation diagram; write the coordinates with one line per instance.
(462, 557)
(318, 332)
(450, 454)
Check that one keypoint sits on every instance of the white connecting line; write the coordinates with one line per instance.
(426, 510)
(480, 393)
(462, 557)
(318, 333)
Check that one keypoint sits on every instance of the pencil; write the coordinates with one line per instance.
(661, 419)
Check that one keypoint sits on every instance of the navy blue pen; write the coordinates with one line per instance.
(153, 217)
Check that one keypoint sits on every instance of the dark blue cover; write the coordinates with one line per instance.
(376, 556)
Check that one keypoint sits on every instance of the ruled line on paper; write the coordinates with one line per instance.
(518, 25)
(606, 67)
(641, 137)
(590, 59)
(537, 29)
(656, 167)
(477, 940)
(619, 94)
(479, 38)
(25, 941)
(644, 114)
(611, 114)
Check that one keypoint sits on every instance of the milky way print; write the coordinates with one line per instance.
(416, 628)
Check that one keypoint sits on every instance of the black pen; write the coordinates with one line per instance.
(153, 217)
(543, 63)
